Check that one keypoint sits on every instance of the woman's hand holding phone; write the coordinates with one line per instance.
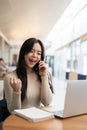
(42, 68)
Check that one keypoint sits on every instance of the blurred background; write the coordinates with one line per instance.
(60, 24)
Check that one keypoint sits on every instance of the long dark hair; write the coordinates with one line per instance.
(21, 66)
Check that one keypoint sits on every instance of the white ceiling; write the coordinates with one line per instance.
(20, 19)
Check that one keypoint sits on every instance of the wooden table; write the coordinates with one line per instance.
(14, 122)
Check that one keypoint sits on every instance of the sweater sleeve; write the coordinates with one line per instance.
(46, 92)
(13, 99)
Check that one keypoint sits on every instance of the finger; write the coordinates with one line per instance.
(41, 63)
(43, 66)
(19, 81)
(11, 80)
(15, 80)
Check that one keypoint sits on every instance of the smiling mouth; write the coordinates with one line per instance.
(32, 61)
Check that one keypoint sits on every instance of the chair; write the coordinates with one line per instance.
(75, 76)
(71, 75)
(4, 113)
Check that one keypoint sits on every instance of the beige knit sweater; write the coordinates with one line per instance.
(37, 92)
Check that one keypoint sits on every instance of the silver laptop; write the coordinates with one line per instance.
(75, 99)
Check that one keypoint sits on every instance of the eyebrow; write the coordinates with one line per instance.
(36, 50)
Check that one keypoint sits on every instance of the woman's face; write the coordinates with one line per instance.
(34, 56)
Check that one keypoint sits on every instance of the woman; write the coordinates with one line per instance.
(3, 68)
(30, 84)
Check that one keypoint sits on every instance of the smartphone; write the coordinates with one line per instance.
(36, 67)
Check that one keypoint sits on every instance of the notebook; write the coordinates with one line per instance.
(33, 114)
(75, 100)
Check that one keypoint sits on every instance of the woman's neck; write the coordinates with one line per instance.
(29, 70)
